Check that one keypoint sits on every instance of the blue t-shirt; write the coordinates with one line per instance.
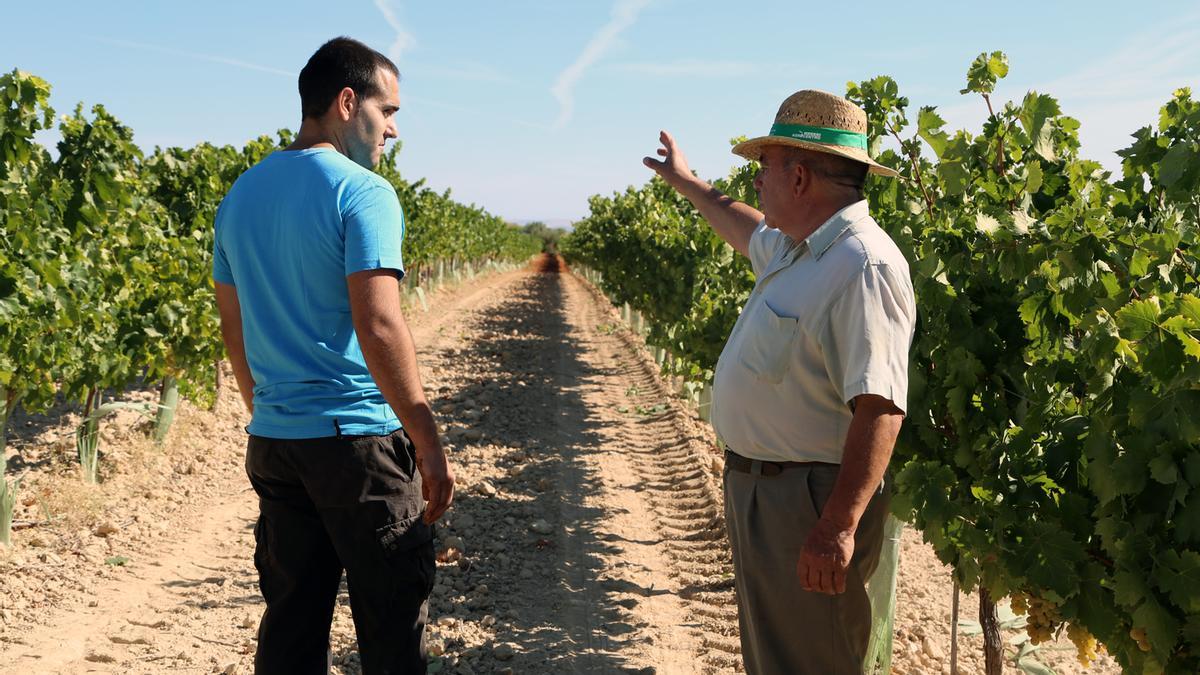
(289, 232)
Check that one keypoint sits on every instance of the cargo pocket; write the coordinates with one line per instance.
(268, 575)
(767, 344)
(408, 548)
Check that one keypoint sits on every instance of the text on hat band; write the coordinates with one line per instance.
(823, 135)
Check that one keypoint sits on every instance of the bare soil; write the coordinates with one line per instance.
(586, 534)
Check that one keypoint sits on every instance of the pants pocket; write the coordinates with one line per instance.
(821, 481)
(408, 548)
(400, 450)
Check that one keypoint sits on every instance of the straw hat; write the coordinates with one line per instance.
(820, 121)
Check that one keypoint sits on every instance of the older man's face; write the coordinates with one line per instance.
(775, 183)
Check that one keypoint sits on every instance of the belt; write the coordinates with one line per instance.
(759, 467)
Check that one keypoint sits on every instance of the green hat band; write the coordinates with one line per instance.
(823, 135)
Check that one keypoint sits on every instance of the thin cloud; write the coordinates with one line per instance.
(213, 58)
(404, 40)
(624, 14)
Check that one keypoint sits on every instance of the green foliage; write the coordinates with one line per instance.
(660, 257)
(106, 255)
(549, 236)
(439, 228)
(1051, 446)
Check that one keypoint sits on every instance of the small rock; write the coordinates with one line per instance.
(454, 541)
(485, 488)
(618, 628)
(132, 639)
(544, 484)
(230, 669)
(209, 604)
(463, 522)
(473, 435)
(106, 528)
(932, 650)
(505, 671)
(504, 651)
(97, 656)
(488, 621)
(526, 573)
(540, 526)
(447, 621)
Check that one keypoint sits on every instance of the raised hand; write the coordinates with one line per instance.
(674, 167)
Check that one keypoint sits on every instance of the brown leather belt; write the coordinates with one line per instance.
(759, 467)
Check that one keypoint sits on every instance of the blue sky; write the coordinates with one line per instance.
(527, 107)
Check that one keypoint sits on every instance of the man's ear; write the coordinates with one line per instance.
(346, 103)
(802, 178)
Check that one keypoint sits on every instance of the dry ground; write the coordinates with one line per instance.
(588, 517)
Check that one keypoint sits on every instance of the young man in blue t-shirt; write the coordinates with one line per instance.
(343, 449)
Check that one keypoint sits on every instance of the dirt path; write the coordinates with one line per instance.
(563, 441)
(585, 537)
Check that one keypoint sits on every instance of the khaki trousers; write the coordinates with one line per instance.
(786, 630)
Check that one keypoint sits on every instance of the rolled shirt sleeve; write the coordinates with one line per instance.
(374, 231)
(869, 333)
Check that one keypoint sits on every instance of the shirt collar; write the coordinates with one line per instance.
(823, 237)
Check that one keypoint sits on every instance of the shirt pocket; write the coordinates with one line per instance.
(767, 344)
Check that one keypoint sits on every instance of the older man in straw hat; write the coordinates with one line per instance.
(810, 389)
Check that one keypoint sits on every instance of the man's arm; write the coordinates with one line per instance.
(391, 357)
(830, 545)
(734, 221)
(231, 333)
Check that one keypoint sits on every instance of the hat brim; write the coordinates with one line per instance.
(752, 150)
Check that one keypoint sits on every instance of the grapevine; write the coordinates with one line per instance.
(1051, 448)
(105, 253)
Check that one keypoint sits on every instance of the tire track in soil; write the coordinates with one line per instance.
(680, 467)
(555, 512)
(591, 533)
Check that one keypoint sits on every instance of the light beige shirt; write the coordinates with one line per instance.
(829, 319)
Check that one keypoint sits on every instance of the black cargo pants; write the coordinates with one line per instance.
(328, 504)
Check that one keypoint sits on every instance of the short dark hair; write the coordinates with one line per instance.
(342, 62)
(843, 171)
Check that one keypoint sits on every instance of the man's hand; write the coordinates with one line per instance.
(437, 481)
(825, 558)
(674, 168)
(732, 220)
